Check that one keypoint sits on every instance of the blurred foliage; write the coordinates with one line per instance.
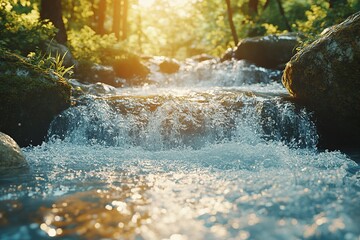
(88, 46)
(310, 17)
(77, 13)
(321, 16)
(23, 34)
(20, 29)
(163, 27)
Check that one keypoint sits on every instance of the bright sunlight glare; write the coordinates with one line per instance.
(150, 3)
(146, 3)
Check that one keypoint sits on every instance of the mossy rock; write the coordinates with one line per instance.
(325, 77)
(30, 98)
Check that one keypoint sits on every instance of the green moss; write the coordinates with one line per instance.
(30, 98)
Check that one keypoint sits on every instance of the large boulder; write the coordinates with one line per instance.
(30, 98)
(272, 51)
(10, 153)
(325, 76)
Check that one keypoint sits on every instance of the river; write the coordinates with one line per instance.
(215, 151)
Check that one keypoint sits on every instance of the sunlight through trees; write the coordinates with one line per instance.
(179, 28)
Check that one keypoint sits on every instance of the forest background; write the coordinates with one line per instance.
(97, 30)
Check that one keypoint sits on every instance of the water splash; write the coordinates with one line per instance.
(212, 73)
(195, 159)
(227, 190)
(166, 121)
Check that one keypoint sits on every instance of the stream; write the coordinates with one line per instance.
(215, 151)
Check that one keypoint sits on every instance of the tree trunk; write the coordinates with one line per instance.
(253, 7)
(282, 12)
(266, 4)
(101, 17)
(231, 22)
(51, 9)
(117, 18)
(125, 8)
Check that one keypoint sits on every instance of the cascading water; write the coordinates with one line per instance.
(212, 152)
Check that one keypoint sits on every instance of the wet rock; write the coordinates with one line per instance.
(202, 57)
(101, 89)
(93, 73)
(272, 51)
(228, 55)
(169, 66)
(325, 76)
(97, 89)
(131, 69)
(30, 99)
(10, 153)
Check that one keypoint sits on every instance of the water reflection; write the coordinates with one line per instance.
(232, 190)
(112, 213)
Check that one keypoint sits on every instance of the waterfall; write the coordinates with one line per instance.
(192, 108)
(215, 151)
(163, 122)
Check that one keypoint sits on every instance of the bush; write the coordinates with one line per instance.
(23, 33)
(321, 16)
(86, 45)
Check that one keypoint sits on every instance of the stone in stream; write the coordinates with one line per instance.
(325, 77)
(203, 57)
(97, 89)
(169, 66)
(93, 73)
(131, 69)
(30, 98)
(272, 51)
(10, 153)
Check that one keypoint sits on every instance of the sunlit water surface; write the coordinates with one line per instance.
(206, 154)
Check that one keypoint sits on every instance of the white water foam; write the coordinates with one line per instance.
(221, 191)
(213, 162)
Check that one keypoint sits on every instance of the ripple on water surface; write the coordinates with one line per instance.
(228, 159)
(261, 190)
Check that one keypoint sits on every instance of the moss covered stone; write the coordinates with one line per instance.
(325, 76)
(30, 98)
